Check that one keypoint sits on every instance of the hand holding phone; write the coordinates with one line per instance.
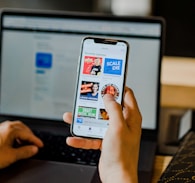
(101, 70)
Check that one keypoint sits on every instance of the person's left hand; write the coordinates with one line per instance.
(16, 131)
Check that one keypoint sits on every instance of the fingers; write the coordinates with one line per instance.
(128, 116)
(129, 99)
(80, 142)
(113, 109)
(84, 143)
(16, 130)
(28, 137)
(15, 125)
(23, 133)
(131, 110)
(67, 117)
(24, 152)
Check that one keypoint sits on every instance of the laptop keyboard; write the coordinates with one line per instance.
(56, 149)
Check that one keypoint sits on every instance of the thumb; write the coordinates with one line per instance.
(113, 108)
(25, 152)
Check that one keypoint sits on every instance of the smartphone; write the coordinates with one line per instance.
(102, 69)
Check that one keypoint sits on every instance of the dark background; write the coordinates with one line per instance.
(179, 16)
(180, 26)
(70, 5)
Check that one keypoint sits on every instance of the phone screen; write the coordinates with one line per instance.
(101, 70)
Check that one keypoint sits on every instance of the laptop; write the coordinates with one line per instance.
(39, 57)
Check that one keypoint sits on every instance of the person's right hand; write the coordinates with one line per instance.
(120, 146)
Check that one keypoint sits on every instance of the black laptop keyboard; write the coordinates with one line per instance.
(56, 149)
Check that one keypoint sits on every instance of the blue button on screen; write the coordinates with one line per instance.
(44, 60)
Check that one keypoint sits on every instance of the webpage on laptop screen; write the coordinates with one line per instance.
(41, 56)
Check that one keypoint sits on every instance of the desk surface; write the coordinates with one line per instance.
(178, 82)
(160, 165)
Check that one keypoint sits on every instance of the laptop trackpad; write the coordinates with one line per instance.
(31, 171)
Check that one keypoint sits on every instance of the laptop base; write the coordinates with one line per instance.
(31, 171)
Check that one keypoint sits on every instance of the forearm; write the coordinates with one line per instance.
(122, 176)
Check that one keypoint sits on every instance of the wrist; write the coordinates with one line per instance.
(122, 175)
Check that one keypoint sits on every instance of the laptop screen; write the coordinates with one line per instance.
(39, 58)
